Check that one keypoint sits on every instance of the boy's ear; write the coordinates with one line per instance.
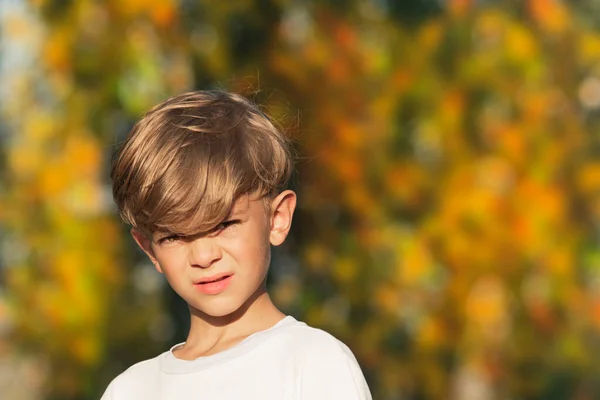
(146, 245)
(282, 211)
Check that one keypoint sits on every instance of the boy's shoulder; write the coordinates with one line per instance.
(133, 381)
(144, 368)
(327, 366)
(304, 339)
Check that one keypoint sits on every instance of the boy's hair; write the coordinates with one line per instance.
(187, 161)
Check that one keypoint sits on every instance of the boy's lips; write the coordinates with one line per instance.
(214, 284)
(213, 278)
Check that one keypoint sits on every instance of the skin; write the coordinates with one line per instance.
(239, 246)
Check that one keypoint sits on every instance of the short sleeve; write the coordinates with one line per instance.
(333, 373)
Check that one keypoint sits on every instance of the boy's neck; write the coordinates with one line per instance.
(210, 335)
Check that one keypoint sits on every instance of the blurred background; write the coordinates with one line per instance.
(449, 185)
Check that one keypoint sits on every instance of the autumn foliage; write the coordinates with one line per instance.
(448, 180)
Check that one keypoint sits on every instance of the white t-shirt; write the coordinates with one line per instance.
(288, 361)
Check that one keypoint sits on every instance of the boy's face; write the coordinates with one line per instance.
(217, 272)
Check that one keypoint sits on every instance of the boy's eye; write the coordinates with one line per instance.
(224, 225)
(170, 239)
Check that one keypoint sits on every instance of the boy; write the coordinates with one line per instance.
(201, 180)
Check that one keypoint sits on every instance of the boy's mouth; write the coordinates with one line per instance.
(213, 285)
(217, 278)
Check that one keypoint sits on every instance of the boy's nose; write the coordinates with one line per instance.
(204, 252)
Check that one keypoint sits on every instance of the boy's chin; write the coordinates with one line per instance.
(218, 310)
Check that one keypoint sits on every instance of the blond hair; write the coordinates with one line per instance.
(187, 161)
